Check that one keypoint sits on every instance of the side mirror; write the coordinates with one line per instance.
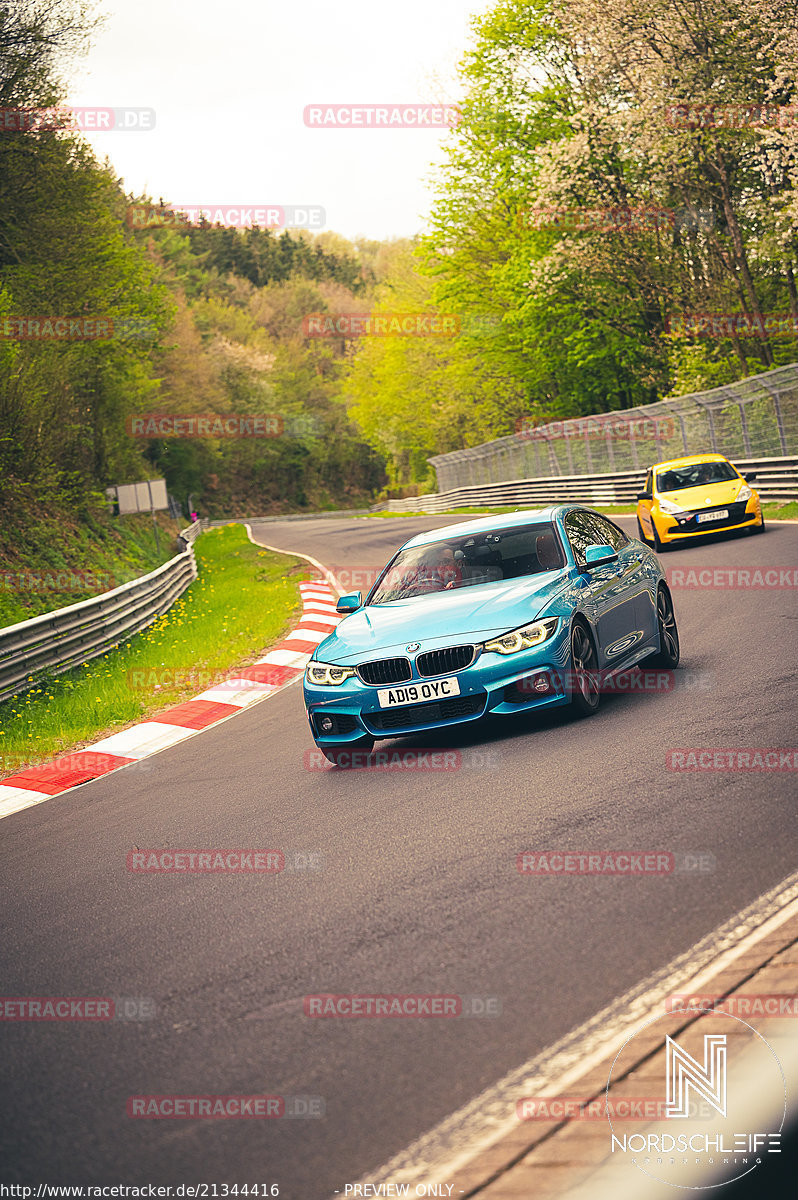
(597, 556)
(349, 603)
(644, 496)
(749, 476)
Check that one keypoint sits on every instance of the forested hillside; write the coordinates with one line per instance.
(617, 168)
(175, 320)
(617, 165)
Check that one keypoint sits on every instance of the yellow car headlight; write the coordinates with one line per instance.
(745, 493)
(524, 638)
(327, 674)
(667, 506)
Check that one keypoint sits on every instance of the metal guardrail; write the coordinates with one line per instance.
(189, 535)
(191, 532)
(69, 637)
(776, 479)
(756, 417)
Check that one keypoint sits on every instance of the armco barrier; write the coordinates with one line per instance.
(776, 479)
(68, 637)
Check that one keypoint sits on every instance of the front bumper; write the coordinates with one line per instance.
(488, 686)
(742, 514)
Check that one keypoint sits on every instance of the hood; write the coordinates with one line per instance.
(451, 618)
(706, 495)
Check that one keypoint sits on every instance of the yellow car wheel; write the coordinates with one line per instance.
(659, 546)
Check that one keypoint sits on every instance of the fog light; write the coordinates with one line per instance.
(326, 724)
(534, 683)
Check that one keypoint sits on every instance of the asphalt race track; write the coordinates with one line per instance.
(417, 892)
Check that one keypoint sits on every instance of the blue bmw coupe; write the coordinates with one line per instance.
(489, 618)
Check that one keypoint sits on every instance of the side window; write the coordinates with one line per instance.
(580, 533)
(649, 484)
(609, 532)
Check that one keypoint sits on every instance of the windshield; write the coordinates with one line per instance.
(698, 475)
(470, 561)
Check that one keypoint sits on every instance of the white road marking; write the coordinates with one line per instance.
(14, 799)
(141, 740)
(240, 692)
(286, 658)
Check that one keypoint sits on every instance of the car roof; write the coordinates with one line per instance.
(690, 461)
(486, 524)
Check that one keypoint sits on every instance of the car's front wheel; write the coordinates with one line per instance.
(342, 755)
(584, 668)
(669, 652)
(641, 534)
(659, 546)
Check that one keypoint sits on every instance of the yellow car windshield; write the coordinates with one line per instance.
(697, 475)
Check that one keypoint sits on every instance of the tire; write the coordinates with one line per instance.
(760, 528)
(584, 669)
(641, 535)
(341, 756)
(669, 651)
(660, 547)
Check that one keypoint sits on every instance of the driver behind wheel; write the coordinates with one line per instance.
(439, 569)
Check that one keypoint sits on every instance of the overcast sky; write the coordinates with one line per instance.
(229, 83)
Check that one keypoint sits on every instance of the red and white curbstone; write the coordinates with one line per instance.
(284, 663)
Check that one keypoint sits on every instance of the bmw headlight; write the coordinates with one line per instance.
(327, 674)
(524, 638)
(669, 507)
(744, 493)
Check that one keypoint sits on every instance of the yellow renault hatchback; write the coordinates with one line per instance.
(688, 497)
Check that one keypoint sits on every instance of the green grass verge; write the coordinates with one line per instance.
(244, 599)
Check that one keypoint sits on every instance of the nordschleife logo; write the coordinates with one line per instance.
(724, 1099)
(684, 1073)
